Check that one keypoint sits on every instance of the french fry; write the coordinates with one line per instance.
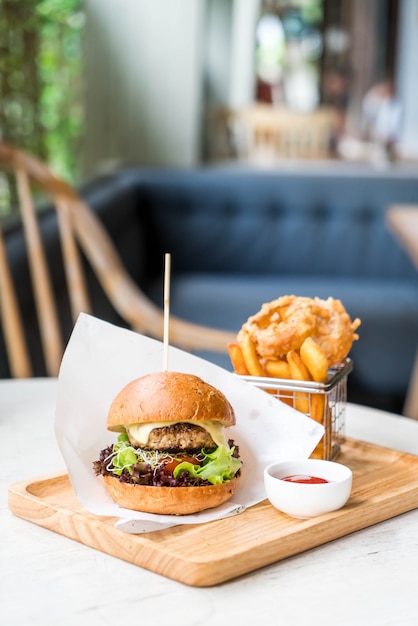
(317, 414)
(324, 447)
(317, 363)
(286, 397)
(237, 359)
(250, 356)
(299, 371)
(277, 368)
(317, 407)
(297, 367)
(315, 360)
(329, 435)
(318, 453)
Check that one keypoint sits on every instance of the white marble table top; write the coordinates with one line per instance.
(368, 577)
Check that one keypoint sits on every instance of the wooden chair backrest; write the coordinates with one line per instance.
(28, 171)
(80, 229)
(268, 132)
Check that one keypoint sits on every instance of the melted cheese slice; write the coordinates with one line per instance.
(140, 432)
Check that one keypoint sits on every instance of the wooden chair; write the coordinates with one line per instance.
(403, 223)
(80, 230)
(264, 132)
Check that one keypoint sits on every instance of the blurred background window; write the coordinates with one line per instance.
(324, 52)
(288, 53)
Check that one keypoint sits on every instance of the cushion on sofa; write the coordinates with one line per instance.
(259, 223)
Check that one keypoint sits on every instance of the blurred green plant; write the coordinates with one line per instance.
(41, 80)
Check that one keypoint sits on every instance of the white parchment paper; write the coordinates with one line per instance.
(101, 358)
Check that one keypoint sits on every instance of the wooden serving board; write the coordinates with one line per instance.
(385, 484)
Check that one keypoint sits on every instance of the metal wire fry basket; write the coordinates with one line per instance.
(323, 402)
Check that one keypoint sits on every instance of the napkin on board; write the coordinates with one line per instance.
(101, 358)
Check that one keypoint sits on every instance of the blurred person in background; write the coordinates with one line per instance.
(381, 117)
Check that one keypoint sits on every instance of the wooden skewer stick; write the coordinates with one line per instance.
(167, 268)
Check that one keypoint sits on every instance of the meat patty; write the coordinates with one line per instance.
(181, 436)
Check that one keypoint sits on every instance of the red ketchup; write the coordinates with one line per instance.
(307, 480)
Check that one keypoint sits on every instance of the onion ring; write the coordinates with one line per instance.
(284, 324)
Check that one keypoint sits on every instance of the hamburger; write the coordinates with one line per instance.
(172, 455)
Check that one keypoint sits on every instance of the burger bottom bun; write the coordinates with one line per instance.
(169, 500)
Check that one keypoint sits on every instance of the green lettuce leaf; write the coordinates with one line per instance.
(125, 456)
(218, 466)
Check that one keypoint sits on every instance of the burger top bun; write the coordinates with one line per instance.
(168, 396)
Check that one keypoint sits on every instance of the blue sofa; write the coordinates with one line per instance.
(241, 237)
